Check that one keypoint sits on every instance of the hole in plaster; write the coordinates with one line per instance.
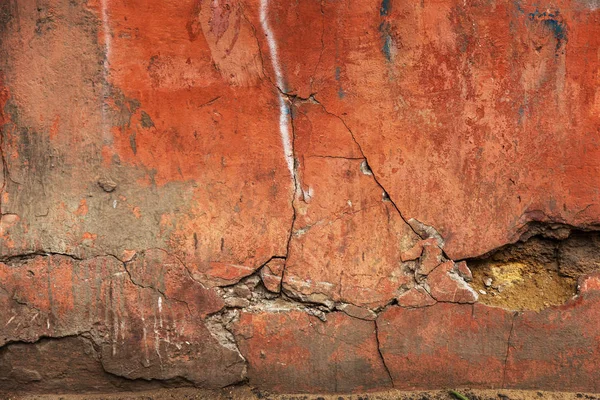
(536, 272)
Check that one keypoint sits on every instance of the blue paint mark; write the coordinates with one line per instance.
(386, 6)
(388, 42)
(554, 23)
(518, 5)
(387, 47)
(338, 75)
(523, 111)
(559, 29)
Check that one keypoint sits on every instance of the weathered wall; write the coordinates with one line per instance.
(209, 193)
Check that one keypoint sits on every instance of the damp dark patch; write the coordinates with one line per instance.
(146, 120)
(132, 142)
(6, 15)
(124, 107)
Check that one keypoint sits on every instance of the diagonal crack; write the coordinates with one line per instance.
(367, 162)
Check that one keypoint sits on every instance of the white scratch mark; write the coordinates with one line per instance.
(145, 338)
(10, 320)
(123, 330)
(284, 110)
(157, 342)
(47, 323)
(114, 203)
(115, 327)
(592, 4)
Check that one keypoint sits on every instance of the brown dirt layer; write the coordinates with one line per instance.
(243, 393)
(521, 286)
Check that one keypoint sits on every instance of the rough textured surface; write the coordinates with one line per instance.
(468, 342)
(477, 117)
(292, 193)
(478, 345)
(295, 352)
(141, 329)
(571, 332)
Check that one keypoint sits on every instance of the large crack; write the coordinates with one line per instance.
(25, 257)
(260, 300)
(508, 344)
(296, 187)
(360, 149)
(5, 176)
(381, 354)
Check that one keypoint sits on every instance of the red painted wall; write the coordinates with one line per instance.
(206, 192)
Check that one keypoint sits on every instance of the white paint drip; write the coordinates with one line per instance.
(160, 311)
(105, 29)
(284, 110)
